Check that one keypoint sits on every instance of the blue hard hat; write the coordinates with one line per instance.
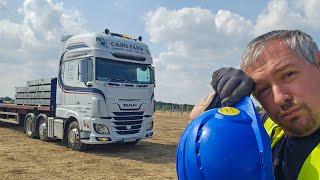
(225, 143)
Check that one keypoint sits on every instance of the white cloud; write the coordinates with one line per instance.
(3, 4)
(310, 9)
(10, 35)
(279, 14)
(198, 41)
(30, 48)
(119, 4)
(284, 14)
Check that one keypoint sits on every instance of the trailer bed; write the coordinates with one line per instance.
(13, 113)
(25, 107)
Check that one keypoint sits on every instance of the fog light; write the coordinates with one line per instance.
(150, 126)
(103, 139)
(101, 129)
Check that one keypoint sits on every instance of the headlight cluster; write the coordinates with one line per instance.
(101, 129)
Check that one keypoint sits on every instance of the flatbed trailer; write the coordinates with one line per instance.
(13, 113)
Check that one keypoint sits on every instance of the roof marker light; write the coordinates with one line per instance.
(101, 42)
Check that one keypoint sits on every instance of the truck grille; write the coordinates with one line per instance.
(127, 122)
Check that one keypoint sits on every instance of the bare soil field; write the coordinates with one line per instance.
(24, 158)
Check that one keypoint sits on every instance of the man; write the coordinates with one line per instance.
(281, 70)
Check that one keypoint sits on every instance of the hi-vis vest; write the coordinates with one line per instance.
(311, 166)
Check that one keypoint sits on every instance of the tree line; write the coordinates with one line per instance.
(6, 100)
(173, 107)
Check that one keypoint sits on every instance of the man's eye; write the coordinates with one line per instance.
(289, 74)
(262, 92)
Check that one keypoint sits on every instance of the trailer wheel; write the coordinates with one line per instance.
(28, 126)
(43, 130)
(74, 140)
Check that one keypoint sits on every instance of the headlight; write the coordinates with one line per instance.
(150, 126)
(101, 129)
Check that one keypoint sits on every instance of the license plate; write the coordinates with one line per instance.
(129, 140)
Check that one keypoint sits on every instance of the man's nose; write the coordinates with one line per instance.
(281, 95)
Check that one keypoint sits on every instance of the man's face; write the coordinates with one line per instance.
(288, 88)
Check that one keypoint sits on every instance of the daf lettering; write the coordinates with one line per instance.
(129, 105)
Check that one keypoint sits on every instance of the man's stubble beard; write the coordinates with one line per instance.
(310, 126)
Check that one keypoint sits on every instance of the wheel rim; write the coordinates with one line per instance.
(43, 130)
(28, 126)
(74, 137)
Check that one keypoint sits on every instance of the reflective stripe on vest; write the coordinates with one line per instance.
(274, 131)
(311, 167)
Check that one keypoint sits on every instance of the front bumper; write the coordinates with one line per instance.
(108, 139)
(92, 137)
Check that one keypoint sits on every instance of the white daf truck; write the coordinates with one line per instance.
(103, 93)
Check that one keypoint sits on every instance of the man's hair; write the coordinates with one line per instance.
(299, 42)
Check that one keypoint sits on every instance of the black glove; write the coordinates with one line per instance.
(230, 85)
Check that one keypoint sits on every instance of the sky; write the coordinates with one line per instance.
(188, 39)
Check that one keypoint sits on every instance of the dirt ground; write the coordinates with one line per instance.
(24, 158)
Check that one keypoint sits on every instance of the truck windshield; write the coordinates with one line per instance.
(123, 72)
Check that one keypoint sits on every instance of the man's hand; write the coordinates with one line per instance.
(202, 105)
(230, 85)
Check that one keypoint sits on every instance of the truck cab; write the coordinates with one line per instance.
(105, 85)
(103, 93)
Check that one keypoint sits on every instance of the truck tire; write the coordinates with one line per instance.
(28, 126)
(74, 139)
(43, 129)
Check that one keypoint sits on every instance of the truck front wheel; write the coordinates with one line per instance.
(74, 140)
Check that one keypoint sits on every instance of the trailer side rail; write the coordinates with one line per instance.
(9, 117)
